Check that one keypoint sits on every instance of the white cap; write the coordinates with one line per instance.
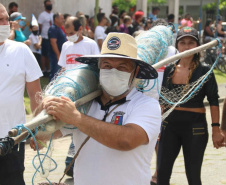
(34, 21)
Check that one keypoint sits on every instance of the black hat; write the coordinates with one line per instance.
(188, 32)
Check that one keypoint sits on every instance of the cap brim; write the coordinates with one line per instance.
(187, 35)
(146, 71)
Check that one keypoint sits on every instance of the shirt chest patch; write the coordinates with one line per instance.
(117, 118)
(71, 58)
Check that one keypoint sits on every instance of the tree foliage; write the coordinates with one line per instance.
(158, 1)
(127, 4)
(213, 5)
(124, 4)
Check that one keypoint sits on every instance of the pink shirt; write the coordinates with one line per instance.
(184, 21)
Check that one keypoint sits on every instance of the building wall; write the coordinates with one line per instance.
(189, 6)
(26, 7)
(85, 6)
(29, 7)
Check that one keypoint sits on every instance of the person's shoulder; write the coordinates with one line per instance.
(151, 15)
(88, 40)
(67, 44)
(42, 14)
(204, 66)
(142, 101)
(138, 97)
(53, 27)
(99, 28)
(32, 35)
(170, 66)
(15, 44)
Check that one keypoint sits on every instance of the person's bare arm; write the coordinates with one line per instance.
(219, 27)
(122, 138)
(223, 121)
(208, 30)
(43, 139)
(53, 43)
(100, 42)
(32, 89)
(27, 42)
(217, 136)
(13, 26)
(39, 44)
(40, 28)
(90, 34)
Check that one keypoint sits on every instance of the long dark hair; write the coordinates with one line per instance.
(208, 22)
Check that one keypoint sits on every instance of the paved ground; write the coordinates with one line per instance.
(213, 170)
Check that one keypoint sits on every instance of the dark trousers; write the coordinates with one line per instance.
(38, 58)
(12, 167)
(54, 67)
(45, 47)
(189, 131)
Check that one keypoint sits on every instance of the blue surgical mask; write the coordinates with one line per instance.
(22, 23)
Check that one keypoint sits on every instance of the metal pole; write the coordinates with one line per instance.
(200, 16)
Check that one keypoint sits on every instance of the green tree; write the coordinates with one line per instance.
(124, 4)
(213, 6)
(127, 4)
(157, 1)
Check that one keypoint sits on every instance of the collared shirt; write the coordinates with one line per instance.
(98, 164)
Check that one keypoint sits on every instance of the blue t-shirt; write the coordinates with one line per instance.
(19, 36)
(153, 17)
(57, 33)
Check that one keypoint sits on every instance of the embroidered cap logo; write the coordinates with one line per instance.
(187, 30)
(113, 43)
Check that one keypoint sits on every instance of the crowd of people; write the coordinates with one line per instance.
(117, 153)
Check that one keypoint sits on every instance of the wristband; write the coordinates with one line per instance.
(215, 124)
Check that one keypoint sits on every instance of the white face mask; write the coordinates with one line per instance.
(73, 38)
(114, 82)
(4, 32)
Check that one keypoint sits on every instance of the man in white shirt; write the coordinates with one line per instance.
(77, 44)
(99, 35)
(18, 69)
(123, 124)
(45, 20)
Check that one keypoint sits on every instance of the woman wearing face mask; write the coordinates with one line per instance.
(114, 24)
(36, 42)
(19, 36)
(186, 126)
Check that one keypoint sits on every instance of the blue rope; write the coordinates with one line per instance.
(40, 166)
(141, 87)
(20, 127)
